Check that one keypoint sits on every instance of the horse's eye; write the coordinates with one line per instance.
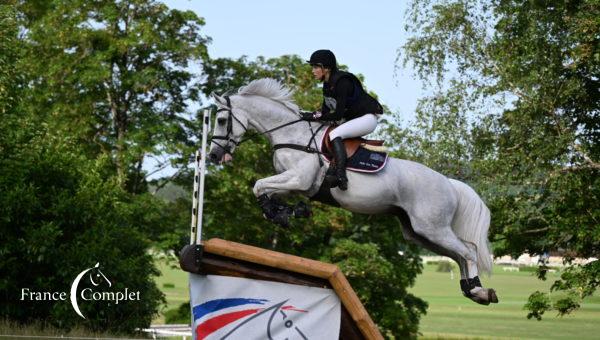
(221, 121)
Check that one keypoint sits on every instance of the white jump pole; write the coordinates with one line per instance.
(199, 173)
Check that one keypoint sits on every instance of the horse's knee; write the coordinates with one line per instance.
(259, 188)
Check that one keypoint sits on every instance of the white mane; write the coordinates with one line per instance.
(272, 89)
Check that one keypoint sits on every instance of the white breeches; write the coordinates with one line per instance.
(356, 127)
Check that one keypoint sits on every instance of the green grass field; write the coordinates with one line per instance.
(174, 284)
(451, 316)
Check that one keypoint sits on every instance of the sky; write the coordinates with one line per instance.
(364, 35)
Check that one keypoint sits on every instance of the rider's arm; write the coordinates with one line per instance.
(344, 90)
(324, 108)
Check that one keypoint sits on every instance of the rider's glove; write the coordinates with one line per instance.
(311, 115)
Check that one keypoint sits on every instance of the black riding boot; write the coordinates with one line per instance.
(339, 151)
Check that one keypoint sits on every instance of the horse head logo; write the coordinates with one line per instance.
(96, 277)
(97, 274)
(276, 320)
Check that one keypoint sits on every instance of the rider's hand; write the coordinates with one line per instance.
(306, 115)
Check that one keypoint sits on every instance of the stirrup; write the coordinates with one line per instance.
(342, 183)
(337, 182)
(331, 176)
(341, 178)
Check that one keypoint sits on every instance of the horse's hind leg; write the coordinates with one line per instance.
(410, 235)
(445, 239)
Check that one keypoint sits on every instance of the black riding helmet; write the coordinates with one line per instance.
(324, 58)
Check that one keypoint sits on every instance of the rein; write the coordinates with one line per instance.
(306, 148)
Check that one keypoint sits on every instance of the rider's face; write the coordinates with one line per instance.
(319, 72)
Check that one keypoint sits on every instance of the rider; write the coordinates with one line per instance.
(344, 101)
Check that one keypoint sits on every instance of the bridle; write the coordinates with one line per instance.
(229, 138)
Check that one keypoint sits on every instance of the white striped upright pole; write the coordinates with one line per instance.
(199, 173)
(195, 197)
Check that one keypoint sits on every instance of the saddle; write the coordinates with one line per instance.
(364, 155)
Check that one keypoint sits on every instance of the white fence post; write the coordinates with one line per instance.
(199, 173)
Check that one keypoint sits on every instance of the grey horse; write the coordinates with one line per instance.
(443, 215)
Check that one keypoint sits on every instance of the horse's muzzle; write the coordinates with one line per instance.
(219, 158)
(213, 158)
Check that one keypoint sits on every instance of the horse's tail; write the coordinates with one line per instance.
(471, 223)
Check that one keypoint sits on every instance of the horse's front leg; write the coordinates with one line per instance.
(281, 184)
(265, 189)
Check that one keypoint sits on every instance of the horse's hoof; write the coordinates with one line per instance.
(484, 296)
(481, 297)
(480, 301)
(492, 297)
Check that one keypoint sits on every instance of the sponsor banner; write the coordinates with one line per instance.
(226, 307)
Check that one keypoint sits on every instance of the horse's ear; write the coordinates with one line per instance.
(220, 100)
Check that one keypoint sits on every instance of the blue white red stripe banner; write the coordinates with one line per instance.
(237, 308)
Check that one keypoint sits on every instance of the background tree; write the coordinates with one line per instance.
(64, 204)
(63, 213)
(523, 75)
(115, 76)
(9, 75)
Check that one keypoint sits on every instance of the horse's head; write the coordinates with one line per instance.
(230, 125)
(97, 276)
(266, 103)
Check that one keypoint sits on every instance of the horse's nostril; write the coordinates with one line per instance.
(212, 157)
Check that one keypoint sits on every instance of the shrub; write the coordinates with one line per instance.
(63, 213)
(179, 315)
